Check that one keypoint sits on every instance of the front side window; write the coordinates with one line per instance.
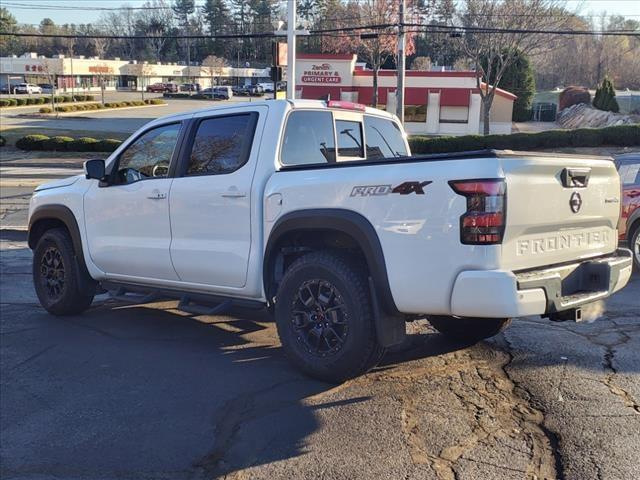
(221, 145)
(349, 139)
(308, 138)
(384, 138)
(149, 156)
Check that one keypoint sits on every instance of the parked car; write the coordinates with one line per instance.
(211, 93)
(281, 204)
(27, 88)
(8, 89)
(171, 87)
(190, 87)
(629, 226)
(267, 87)
(241, 90)
(47, 88)
(156, 88)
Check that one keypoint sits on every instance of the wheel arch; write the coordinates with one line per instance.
(633, 222)
(340, 222)
(47, 217)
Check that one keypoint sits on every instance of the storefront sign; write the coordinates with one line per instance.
(321, 73)
(33, 68)
(100, 69)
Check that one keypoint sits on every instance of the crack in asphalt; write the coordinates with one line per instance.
(494, 410)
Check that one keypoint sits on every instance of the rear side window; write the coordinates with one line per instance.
(308, 138)
(221, 144)
(349, 139)
(384, 138)
(630, 174)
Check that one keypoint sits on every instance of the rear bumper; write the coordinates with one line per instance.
(502, 294)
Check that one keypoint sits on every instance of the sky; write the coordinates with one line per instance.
(33, 11)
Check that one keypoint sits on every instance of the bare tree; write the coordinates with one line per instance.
(142, 71)
(49, 71)
(213, 67)
(101, 71)
(492, 52)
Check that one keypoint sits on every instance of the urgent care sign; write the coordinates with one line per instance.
(318, 69)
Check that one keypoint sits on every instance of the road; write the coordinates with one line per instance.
(149, 392)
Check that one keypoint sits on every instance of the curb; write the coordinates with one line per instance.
(40, 105)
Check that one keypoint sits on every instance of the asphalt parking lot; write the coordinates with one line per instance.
(148, 392)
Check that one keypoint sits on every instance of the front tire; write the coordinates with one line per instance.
(470, 330)
(56, 276)
(324, 318)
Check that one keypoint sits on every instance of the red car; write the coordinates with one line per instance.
(156, 88)
(629, 226)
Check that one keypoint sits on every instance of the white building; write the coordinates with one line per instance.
(85, 74)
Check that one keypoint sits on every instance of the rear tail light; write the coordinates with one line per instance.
(484, 221)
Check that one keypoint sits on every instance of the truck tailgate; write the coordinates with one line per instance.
(559, 209)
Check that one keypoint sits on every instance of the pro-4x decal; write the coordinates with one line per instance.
(376, 190)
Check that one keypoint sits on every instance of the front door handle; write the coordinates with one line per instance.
(157, 195)
(234, 193)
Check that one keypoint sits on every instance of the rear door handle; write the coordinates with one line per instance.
(156, 195)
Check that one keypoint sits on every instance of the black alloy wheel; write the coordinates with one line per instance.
(320, 317)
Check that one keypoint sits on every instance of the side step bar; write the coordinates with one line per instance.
(191, 303)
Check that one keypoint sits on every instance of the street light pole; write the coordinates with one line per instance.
(401, 63)
(291, 49)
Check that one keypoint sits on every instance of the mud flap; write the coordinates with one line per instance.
(390, 329)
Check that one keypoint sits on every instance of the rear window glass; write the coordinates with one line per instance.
(384, 138)
(349, 139)
(630, 174)
(308, 139)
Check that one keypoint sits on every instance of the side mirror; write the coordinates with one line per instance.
(94, 169)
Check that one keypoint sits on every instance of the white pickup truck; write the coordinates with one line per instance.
(319, 212)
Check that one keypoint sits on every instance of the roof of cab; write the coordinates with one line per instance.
(295, 104)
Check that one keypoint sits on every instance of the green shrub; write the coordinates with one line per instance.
(64, 108)
(137, 103)
(4, 102)
(156, 101)
(83, 144)
(99, 106)
(586, 137)
(107, 145)
(45, 110)
(58, 144)
(31, 101)
(41, 100)
(21, 101)
(623, 135)
(126, 104)
(110, 104)
(32, 142)
(13, 102)
(79, 98)
(67, 99)
(90, 98)
(3, 141)
(58, 98)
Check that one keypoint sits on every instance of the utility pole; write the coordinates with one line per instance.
(291, 49)
(401, 62)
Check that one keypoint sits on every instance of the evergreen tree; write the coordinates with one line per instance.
(217, 18)
(605, 98)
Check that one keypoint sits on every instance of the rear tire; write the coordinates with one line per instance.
(468, 329)
(634, 245)
(324, 318)
(56, 276)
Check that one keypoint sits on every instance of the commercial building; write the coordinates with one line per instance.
(436, 102)
(86, 74)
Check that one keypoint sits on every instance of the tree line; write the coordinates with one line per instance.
(556, 61)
